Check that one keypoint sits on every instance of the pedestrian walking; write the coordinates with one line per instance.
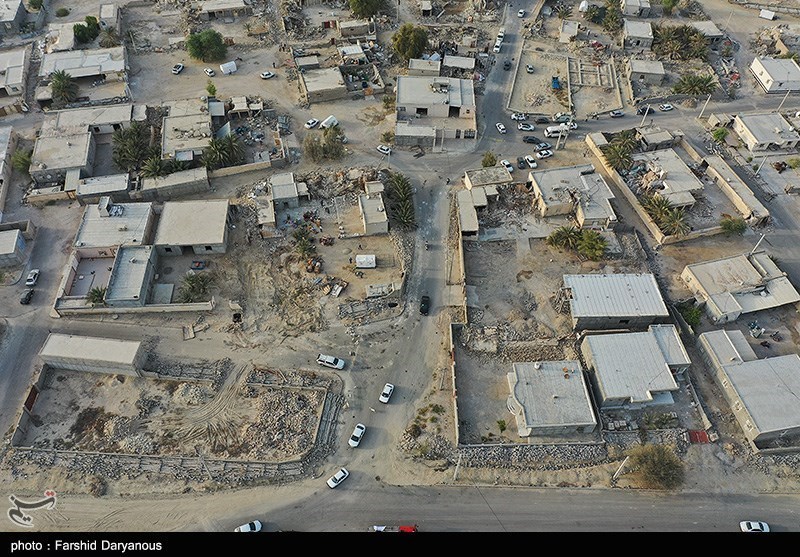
(351, 261)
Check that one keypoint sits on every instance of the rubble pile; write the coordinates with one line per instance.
(429, 447)
(327, 184)
(190, 394)
(533, 457)
(138, 443)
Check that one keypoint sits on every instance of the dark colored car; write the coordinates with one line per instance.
(507, 65)
(26, 297)
(521, 162)
(531, 139)
(425, 305)
(644, 110)
(541, 120)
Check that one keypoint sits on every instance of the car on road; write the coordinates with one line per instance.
(518, 116)
(666, 107)
(541, 120)
(254, 526)
(521, 13)
(573, 125)
(531, 161)
(525, 127)
(266, 75)
(562, 118)
(544, 145)
(424, 305)
(507, 65)
(521, 162)
(358, 433)
(544, 154)
(529, 68)
(338, 478)
(311, 124)
(33, 276)
(497, 46)
(507, 164)
(617, 114)
(753, 526)
(531, 139)
(25, 299)
(330, 361)
(500, 127)
(644, 110)
(384, 149)
(209, 72)
(386, 393)
(177, 68)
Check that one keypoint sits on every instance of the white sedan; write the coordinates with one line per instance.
(545, 154)
(311, 124)
(338, 478)
(531, 161)
(209, 72)
(386, 394)
(508, 165)
(665, 107)
(521, 13)
(500, 127)
(384, 149)
(518, 116)
(753, 526)
(525, 127)
(266, 75)
(358, 433)
(330, 361)
(254, 526)
(33, 276)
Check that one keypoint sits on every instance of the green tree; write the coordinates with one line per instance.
(691, 314)
(733, 225)
(617, 157)
(21, 161)
(62, 12)
(489, 159)
(400, 195)
(389, 101)
(64, 88)
(675, 223)
(88, 31)
(97, 296)
(591, 245)
(719, 134)
(304, 243)
(36, 4)
(410, 41)
(367, 8)
(194, 287)
(207, 46)
(501, 425)
(211, 89)
(154, 167)
(566, 237)
(109, 38)
(593, 14)
(626, 140)
(223, 152)
(332, 142)
(612, 22)
(312, 147)
(669, 6)
(693, 84)
(656, 206)
(656, 467)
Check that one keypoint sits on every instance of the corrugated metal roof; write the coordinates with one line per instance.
(597, 295)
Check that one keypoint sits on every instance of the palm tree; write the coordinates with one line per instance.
(591, 245)
(617, 157)
(563, 12)
(697, 46)
(176, 166)
(626, 140)
(692, 84)
(564, 237)
(403, 214)
(656, 206)
(194, 287)
(214, 154)
(674, 223)
(97, 296)
(305, 247)
(399, 187)
(154, 167)
(109, 38)
(233, 149)
(64, 88)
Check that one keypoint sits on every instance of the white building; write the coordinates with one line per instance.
(768, 131)
(776, 75)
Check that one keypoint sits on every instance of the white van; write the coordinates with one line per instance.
(501, 34)
(497, 46)
(329, 122)
(555, 131)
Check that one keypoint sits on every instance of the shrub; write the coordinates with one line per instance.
(733, 225)
(691, 314)
(62, 12)
(36, 4)
(656, 466)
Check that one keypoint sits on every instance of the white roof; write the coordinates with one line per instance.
(769, 127)
(468, 218)
(81, 348)
(84, 63)
(779, 69)
(128, 273)
(596, 295)
(130, 227)
(416, 90)
(12, 63)
(9, 9)
(638, 29)
(372, 208)
(654, 67)
(103, 184)
(8, 241)
(463, 62)
(191, 223)
(365, 261)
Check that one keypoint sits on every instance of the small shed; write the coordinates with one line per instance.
(228, 67)
(365, 262)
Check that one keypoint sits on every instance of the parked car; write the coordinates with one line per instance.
(525, 127)
(384, 149)
(518, 116)
(267, 75)
(666, 107)
(254, 526)
(209, 72)
(25, 299)
(424, 305)
(497, 46)
(33, 276)
(507, 65)
(541, 120)
(338, 478)
(531, 139)
(644, 110)
(311, 124)
(330, 361)
(521, 162)
(386, 394)
(177, 68)
(521, 13)
(753, 526)
(529, 68)
(544, 154)
(358, 433)
(500, 127)
(507, 164)
(617, 114)
(544, 145)
(530, 161)
(573, 125)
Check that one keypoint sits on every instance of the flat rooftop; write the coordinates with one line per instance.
(669, 341)
(284, 186)
(61, 151)
(5, 141)
(12, 64)
(647, 66)
(467, 215)
(429, 65)
(769, 128)
(728, 346)
(552, 393)
(463, 62)
(425, 91)
(733, 181)
(780, 69)
(372, 208)
(186, 128)
(638, 29)
(322, 79)
(707, 28)
(559, 185)
(97, 349)
(103, 184)
(128, 273)
(84, 63)
(191, 223)
(8, 240)
(491, 175)
(216, 5)
(598, 295)
(675, 175)
(130, 227)
(9, 9)
(82, 119)
(176, 178)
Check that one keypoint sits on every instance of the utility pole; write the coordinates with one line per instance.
(760, 165)
(757, 244)
(727, 22)
(783, 101)
(644, 116)
(704, 107)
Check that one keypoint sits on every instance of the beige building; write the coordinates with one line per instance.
(574, 190)
(762, 132)
(489, 176)
(223, 9)
(647, 72)
(637, 34)
(776, 75)
(635, 8)
(322, 85)
(199, 227)
(12, 248)
(424, 67)
(447, 104)
(107, 63)
(14, 70)
(186, 130)
(373, 214)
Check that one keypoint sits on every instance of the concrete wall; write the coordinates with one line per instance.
(147, 308)
(27, 227)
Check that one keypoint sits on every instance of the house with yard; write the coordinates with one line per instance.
(97, 63)
(637, 34)
(635, 370)
(765, 131)
(199, 227)
(776, 75)
(131, 278)
(550, 398)
(646, 72)
(575, 190)
(742, 284)
(612, 301)
(186, 130)
(444, 103)
(762, 393)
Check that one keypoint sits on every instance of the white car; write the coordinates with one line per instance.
(544, 154)
(665, 107)
(500, 127)
(209, 72)
(330, 361)
(177, 68)
(254, 526)
(267, 75)
(384, 149)
(573, 125)
(311, 124)
(357, 434)
(531, 161)
(529, 68)
(525, 127)
(521, 13)
(33, 276)
(508, 165)
(497, 46)
(518, 116)
(338, 478)
(386, 394)
(753, 526)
